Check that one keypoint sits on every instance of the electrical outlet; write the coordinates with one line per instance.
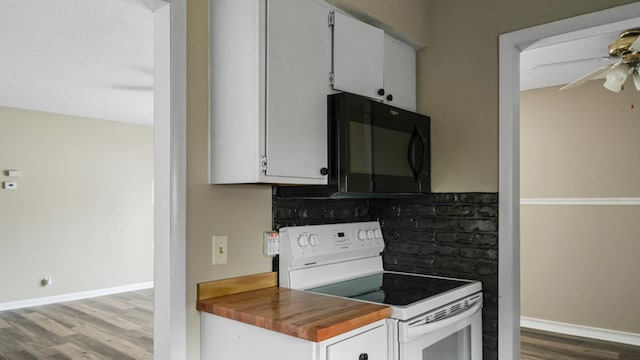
(219, 253)
(271, 242)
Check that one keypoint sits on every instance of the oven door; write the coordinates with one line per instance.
(457, 337)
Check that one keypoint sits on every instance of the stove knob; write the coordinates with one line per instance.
(362, 235)
(313, 240)
(377, 233)
(370, 234)
(302, 240)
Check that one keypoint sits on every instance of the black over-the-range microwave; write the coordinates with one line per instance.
(374, 149)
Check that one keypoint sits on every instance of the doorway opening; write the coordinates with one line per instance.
(510, 47)
(169, 162)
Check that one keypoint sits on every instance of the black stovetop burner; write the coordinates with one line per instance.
(391, 288)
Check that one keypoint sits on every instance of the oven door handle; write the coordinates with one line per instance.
(419, 330)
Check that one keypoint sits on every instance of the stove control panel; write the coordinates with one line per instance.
(314, 245)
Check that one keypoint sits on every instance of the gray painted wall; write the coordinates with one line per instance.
(82, 212)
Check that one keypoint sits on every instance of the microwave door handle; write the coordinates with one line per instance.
(422, 154)
(416, 169)
(419, 330)
(410, 156)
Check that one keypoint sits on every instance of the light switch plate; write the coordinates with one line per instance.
(10, 185)
(220, 250)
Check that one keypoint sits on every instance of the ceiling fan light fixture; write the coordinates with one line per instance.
(636, 79)
(616, 78)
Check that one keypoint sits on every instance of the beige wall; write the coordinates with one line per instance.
(83, 211)
(404, 19)
(458, 81)
(580, 143)
(241, 212)
(579, 263)
(457, 86)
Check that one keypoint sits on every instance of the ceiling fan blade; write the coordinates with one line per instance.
(132, 87)
(592, 59)
(596, 74)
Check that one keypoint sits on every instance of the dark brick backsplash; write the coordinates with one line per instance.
(444, 234)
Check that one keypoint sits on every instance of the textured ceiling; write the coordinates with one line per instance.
(90, 58)
(94, 58)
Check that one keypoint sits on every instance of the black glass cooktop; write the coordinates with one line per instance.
(390, 288)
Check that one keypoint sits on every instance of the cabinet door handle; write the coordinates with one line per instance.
(389, 97)
(381, 92)
(363, 356)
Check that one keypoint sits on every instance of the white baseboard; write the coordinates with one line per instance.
(580, 201)
(582, 331)
(74, 296)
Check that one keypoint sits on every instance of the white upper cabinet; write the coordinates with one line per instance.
(298, 66)
(358, 57)
(269, 79)
(370, 63)
(270, 64)
(399, 74)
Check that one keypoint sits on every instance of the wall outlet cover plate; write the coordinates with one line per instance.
(271, 243)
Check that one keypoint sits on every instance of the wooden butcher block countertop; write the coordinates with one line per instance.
(309, 316)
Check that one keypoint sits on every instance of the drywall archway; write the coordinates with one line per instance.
(170, 70)
(510, 46)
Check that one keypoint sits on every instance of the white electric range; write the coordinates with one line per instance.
(432, 317)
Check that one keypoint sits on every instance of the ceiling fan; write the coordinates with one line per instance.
(627, 49)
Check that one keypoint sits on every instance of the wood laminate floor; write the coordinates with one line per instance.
(121, 327)
(541, 345)
(109, 327)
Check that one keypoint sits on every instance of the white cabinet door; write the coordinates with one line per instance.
(298, 67)
(399, 74)
(358, 57)
(226, 339)
(236, 80)
(366, 61)
(373, 343)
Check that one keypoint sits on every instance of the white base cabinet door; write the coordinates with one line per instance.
(226, 339)
(371, 345)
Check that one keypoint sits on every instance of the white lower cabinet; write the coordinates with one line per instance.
(226, 339)
(370, 345)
